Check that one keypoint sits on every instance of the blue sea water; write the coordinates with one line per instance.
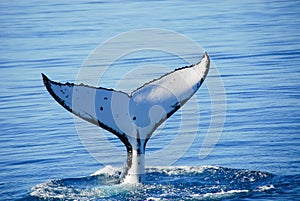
(255, 46)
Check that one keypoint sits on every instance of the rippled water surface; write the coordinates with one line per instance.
(255, 47)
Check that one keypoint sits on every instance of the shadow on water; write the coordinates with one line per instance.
(166, 183)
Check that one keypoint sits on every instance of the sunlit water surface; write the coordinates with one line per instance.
(255, 46)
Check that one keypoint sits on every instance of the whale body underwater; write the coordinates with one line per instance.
(132, 117)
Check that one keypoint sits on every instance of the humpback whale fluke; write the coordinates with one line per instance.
(132, 117)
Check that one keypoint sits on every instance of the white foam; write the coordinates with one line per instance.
(107, 170)
(153, 199)
(222, 193)
(264, 188)
(174, 170)
(45, 190)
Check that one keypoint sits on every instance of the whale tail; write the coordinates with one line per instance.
(132, 117)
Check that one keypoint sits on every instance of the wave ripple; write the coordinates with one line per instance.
(163, 183)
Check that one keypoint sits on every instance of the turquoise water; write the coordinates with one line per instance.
(255, 47)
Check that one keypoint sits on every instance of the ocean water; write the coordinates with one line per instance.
(254, 46)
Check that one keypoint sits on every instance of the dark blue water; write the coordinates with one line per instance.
(255, 47)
